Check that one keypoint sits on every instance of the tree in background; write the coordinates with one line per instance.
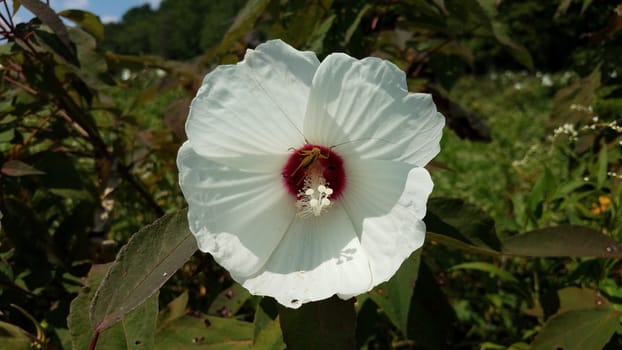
(178, 29)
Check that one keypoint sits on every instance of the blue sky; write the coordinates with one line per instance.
(107, 10)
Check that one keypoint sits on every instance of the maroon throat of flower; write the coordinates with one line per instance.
(315, 176)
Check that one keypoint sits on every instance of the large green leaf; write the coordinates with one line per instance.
(229, 301)
(51, 19)
(578, 330)
(459, 244)
(431, 318)
(462, 221)
(78, 319)
(148, 260)
(268, 333)
(135, 332)
(394, 296)
(13, 337)
(85, 20)
(209, 333)
(174, 310)
(177, 330)
(92, 63)
(459, 225)
(326, 324)
(563, 240)
(575, 298)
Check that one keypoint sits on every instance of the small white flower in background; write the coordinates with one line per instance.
(305, 179)
(126, 74)
(547, 80)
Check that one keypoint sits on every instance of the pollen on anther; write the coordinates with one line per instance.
(313, 199)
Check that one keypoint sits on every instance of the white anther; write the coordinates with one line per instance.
(313, 199)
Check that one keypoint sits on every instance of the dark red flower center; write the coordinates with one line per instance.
(314, 159)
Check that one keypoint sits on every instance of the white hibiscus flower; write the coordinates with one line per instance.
(306, 179)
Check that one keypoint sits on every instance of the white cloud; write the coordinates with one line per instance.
(76, 4)
(109, 19)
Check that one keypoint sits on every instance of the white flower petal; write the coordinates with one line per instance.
(255, 107)
(238, 217)
(366, 104)
(386, 202)
(317, 258)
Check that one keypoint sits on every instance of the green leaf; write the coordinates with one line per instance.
(208, 333)
(563, 240)
(140, 324)
(516, 50)
(174, 310)
(326, 324)
(603, 163)
(432, 318)
(135, 332)
(486, 267)
(270, 337)
(92, 64)
(229, 301)
(85, 20)
(316, 39)
(51, 19)
(16, 5)
(562, 8)
(487, 13)
(394, 296)
(78, 319)
(575, 298)
(148, 260)
(7, 136)
(461, 221)
(242, 24)
(355, 24)
(62, 176)
(441, 5)
(453, 243)
(539, 193)
(578, 330)
(19, 168)
(267, 334)
(14, 338)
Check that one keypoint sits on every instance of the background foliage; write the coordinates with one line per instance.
(522, 250)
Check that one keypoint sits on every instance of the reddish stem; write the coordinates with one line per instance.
(20, 85)
(93, 342)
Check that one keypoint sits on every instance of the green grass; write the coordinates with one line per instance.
(517, 108)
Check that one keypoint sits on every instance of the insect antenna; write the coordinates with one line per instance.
(360, 140)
